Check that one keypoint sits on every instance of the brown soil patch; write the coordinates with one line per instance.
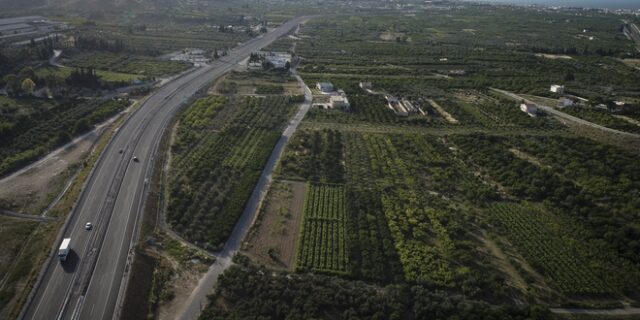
(393, 36)
(529, 158)
(554, 56)
(442, 112)
(245, 84)
(520, 274)
(634, 63)
(183, 282)
(273, 240)
(185, 265)
(502, 262)
(627, 119)
(31, 190)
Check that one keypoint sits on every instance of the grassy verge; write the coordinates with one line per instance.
(36, 249)
(108, 76)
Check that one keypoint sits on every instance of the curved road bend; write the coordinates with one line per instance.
(566, 116)
(198, 298)
(86, 286)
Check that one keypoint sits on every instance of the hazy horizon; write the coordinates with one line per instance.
(613, 4)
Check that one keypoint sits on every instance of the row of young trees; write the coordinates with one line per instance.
(567, 179)
(26, 81)
(218, 158)
(89, 42)
(26, 138)
(315, 156)
(323, 246)
(608, 180)
(245, 292)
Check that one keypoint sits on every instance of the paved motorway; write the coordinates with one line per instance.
(88, 284)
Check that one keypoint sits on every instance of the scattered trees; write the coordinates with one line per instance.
(28, 86)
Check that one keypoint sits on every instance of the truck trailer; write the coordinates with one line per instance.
(65, 247)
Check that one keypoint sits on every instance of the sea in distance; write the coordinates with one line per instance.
(609, 4)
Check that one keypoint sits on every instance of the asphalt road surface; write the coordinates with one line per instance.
(567, 117)
(87, 285)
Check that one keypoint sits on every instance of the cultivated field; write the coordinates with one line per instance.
(220, 148)
(323, 236)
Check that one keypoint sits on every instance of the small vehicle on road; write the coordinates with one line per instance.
(135, 159)
(88, 226)
(120, 151)
(64, 249)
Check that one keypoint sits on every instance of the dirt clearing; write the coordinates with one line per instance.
(442, 112)
(529, 158)
(553, 56)
(30, 191)
(394, 36)
(627, 119)
(273, 239)
(178, 269)
(519, 274)
(258, 83)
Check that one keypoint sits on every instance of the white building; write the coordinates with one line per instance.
(325, 87)
(365, 85)
(565, 102)
(394, 104)
(256, 65)
(557, 89)
(409, 106)
(339, 102)
(529, 108)
(279, 60)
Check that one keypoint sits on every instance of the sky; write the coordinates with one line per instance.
(611, 4)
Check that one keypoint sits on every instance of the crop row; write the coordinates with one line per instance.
(323, 245)
(213, 172)
(561, 260)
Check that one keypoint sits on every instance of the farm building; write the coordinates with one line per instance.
(254, 65)
(409, 106)
(365, 85)
(394, 104)
(557, 89)
(279, 60)
(565, 102)
(529, 108)
(325, 87)
(339, 102)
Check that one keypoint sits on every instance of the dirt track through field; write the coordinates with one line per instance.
(279, 226)
(442, 112)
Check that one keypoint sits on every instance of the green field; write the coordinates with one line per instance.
(107, 76)
(220, 148)
(109, 64)
(603, 118)
(51, 123)
(323, 246)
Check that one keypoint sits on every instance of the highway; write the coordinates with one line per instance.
(88, 284)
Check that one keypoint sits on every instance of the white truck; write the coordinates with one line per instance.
(65, 247)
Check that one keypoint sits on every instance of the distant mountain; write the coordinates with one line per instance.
(17, 5)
